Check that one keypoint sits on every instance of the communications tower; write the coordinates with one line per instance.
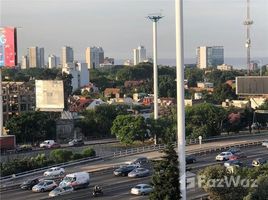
(248, 22)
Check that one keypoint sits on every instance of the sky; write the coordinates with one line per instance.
(121, 25)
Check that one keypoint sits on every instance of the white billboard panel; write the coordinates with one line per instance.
(49, 95)
(252, 85)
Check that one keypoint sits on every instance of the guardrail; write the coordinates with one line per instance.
(43, 169)
(128, 152)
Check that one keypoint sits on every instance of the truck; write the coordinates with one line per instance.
(76, 180)
(7, 142)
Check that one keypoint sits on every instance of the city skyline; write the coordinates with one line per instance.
(119, 26)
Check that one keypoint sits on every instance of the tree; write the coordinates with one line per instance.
(203, 119)
(165, 179)
(128, 128)
(223, 92)
(32, 127)
(260, 192)
(167, 86)
(214, 174)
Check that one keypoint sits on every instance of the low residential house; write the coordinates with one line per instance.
(91, 88)
(205, 85)
(191, 102)
(80, 104)
(94, 103)
(236, 103)
(166, 101)
(137, 97)
(112, 92)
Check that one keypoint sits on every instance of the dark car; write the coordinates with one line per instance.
(124, 170)
(190, 159)
(23, 148)
(76, 142)
(27, 185)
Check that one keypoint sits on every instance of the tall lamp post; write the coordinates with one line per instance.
(155, 19)
(180, 95)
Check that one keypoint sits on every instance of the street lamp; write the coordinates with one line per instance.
(155, 18)
(180, 95)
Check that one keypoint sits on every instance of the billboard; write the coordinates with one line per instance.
(8, 46)
(49, 95)
(252, 85)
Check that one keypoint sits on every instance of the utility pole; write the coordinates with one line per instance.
(248, 22)
(155, 19)
(180, 95)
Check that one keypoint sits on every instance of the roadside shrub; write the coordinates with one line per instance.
(89, 152)
(77, 156)
(60, 156)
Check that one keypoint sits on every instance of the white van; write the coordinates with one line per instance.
(76, 180)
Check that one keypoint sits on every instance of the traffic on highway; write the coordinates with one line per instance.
(130, 180)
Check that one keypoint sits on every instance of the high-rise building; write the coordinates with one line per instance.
(52, 61)
(24, 62)
(36, 57)
(94, 57)
(139, 55)
(67, 55)
(79, 72)
(33, 57)
(41, 57)
(209, 56)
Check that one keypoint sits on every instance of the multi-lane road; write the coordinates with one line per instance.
(117, 188)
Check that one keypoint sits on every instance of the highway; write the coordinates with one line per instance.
(118, 187)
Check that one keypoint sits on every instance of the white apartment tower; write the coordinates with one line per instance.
(139, 55)
(209, 56)
(67, 55)
(52, 61)
(24, 62)
(79, 72)
(94, 57)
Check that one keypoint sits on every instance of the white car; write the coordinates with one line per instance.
(265, 143)
(224, 156)
(54, 171)
(60, 191)
(43, 186)
(47, 144)
(141, 189)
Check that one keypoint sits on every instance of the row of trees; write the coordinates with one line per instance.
(239, 184)
(205, 119)
(56, 156)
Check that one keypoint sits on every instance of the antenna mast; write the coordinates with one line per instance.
(248, 22)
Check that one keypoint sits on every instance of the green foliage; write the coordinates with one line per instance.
(165, 179)
(193, 75)
(203, 119)
(221, 193)
(222, 92)
(219, 77)
(128, 128)
(32, 127)
(77, 156)
(238, 190)
(260, 192)
(98, 122)
(89, 152)
(163, 128)
(60, 156)
(167, 86)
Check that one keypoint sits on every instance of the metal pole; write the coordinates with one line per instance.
(1, 105)
(180, 95)
(155, 70)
